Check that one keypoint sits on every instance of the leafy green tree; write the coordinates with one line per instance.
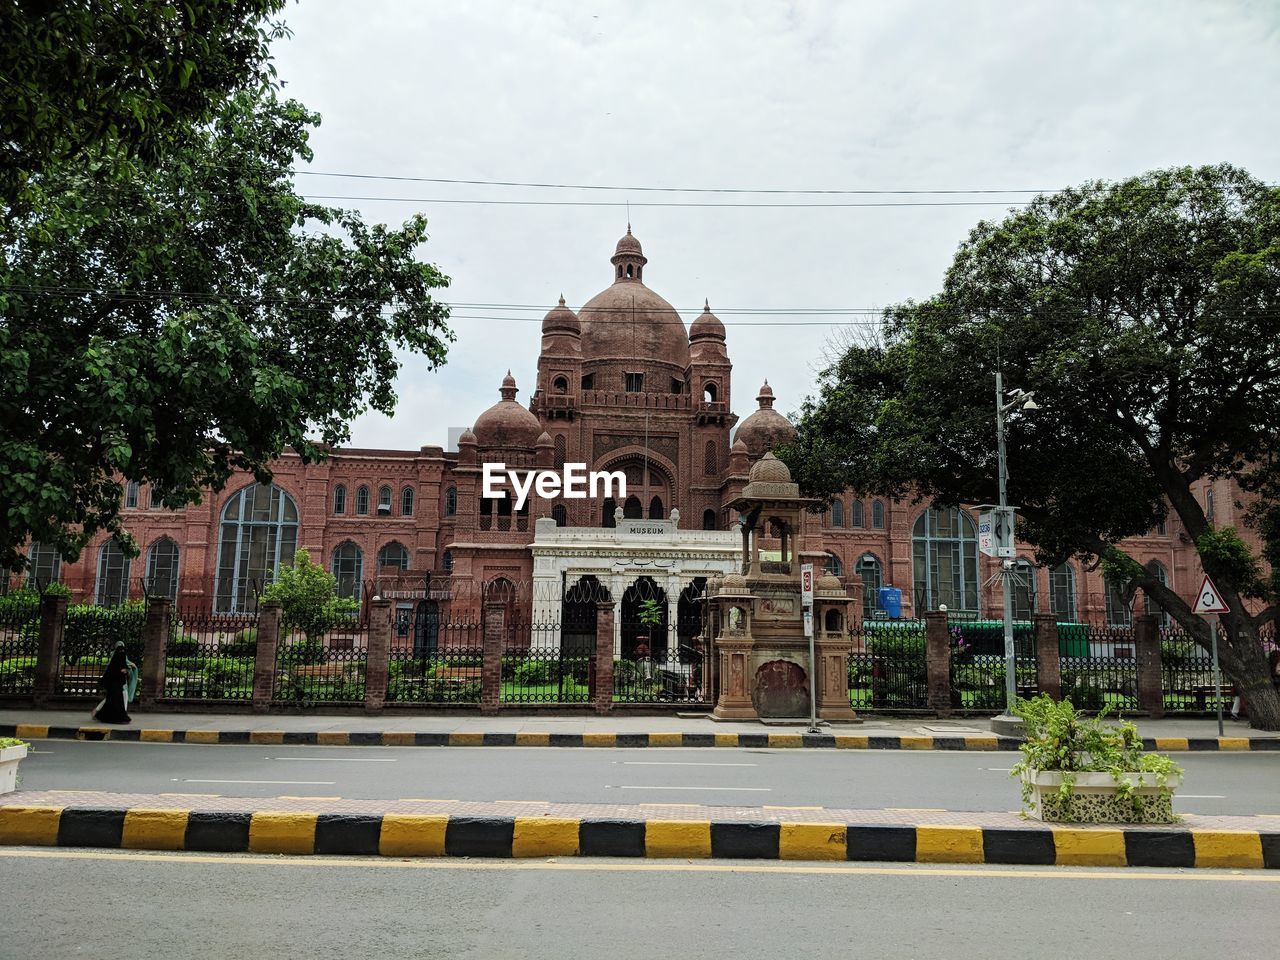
(308, 598)
(1145, 315)
(191, 320)
(103, 83)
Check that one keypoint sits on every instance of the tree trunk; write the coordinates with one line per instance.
(1245, 663)
(1262, 701)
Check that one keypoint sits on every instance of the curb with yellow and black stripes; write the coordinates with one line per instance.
(412, 835)
(401, 738)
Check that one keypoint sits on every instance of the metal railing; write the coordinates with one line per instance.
(537, 668)
(1187, 676)
(89, 637)
(19, 642)
(888, 668)
(445, 666)
(209, 657)
(978, 665)
(1106, 675)
(323, 669)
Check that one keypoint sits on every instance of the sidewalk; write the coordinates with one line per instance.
(435, 828)
(395, 729)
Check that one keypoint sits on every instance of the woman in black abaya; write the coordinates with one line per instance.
(115, 683)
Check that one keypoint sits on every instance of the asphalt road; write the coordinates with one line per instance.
(1215, 783)
(106, 905)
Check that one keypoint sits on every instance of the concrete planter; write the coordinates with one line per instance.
(9, 757)
(1096, 798)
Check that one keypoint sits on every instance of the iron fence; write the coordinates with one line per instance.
(443, 667)
(678, 671)
(978, 668)
(1105, 676)
(89, 637)
(19, 642)
(210, 657)
(1187, 676)
(538, 668)
(888, 667)
(321, 668)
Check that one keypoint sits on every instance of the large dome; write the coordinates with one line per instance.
(507, 425)
(628, 321)
(766, 429)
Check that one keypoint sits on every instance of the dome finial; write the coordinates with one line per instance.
(706, 304)
(508, 388)
(766, 396)
(562, 299)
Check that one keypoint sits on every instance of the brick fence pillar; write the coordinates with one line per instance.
(53, 618)
(1048, 658)
(1146, 640)
(378, 656)
(264, 664)
(604, 657)
(938, 660)
(495, 631)
(155, 637)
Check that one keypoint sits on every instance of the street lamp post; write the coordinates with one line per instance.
(1020, 400)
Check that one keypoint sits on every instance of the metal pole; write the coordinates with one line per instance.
(1006, 566)
(813, 678)
(1212, 620)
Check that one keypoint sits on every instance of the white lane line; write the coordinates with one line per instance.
(999, 769)
(679, 763)
(739, 789)
(309, 783)
(1199, 796)
(338, 759)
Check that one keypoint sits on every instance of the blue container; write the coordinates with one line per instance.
(890, 601)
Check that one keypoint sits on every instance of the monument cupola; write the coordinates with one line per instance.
(628, 259)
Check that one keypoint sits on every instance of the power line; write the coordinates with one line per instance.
(670, 203)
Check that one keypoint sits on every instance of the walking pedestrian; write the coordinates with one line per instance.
(115, 683)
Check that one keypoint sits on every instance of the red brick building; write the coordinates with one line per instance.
(622, 384)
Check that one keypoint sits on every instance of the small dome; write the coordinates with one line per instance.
(506, 424)
(707, 326)
(561, 319)
(766, 429)
(829, 585)
(734, 584)
(628, 246)
(769, 469)
(544, 440)
(739, 447)
(467, 437)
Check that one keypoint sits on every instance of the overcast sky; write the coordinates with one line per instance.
(757, 94)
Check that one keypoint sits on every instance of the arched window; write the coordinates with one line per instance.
(631, 509)
(709, 519)
(877, 514)
(560, 515)
(131, 494)
(709, 459)
(833, 565)
(857, 515)
(1157, 570)
(1161, 528)
(348, 563)
(394, 555)
(1062, 592)
(709, 391)
(655, 509)
(44, 565)
(162, 569)
(1023, 589)
(1208, 505)
(446, 561)
(258, 533)
(362, 500)
(837, 513)
(451, 502)
(872, 575)
(340, 499)
(406, 502)
(560, 385)
(384, 499)
(944, 560)
(113, 575)
(607, 510)
(560, 450)
(1119, 614)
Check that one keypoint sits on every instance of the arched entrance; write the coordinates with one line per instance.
(644, 594)
(578, 616)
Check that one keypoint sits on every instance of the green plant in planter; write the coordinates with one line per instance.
(1060, 738)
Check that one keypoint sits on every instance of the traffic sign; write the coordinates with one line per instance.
(806, 584)
(1209, 600)
(995, 531)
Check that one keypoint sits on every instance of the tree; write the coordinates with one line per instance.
(191, 320)
(307, 593)
(1145, 315)
(101, 83)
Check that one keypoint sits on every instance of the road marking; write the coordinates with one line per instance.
(188, 794)
(767, 807)
(338, 759)
(287, 797)
(679, 763)
(1203, 875)
(999, 769)
(740, 789)
(295, 783)
(540, 802)
(917, 809)
(424, 800)
(1199, 796)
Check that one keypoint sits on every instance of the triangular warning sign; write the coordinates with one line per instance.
(1209, 600)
